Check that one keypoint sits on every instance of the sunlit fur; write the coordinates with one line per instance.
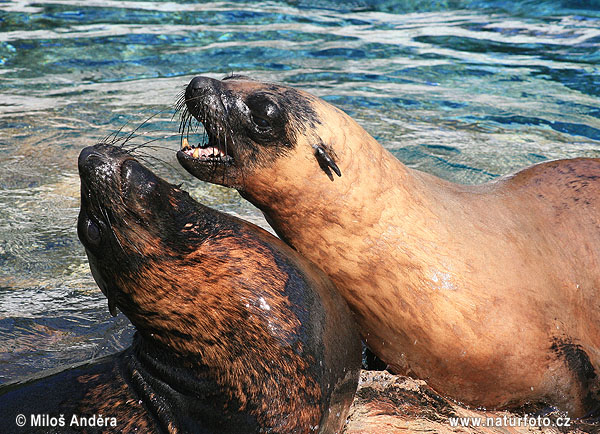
(476, 289)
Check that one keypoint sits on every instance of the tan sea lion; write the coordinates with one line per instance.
(490, 293)
(236, 332)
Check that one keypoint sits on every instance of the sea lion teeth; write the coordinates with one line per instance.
(208, 153)
(185, 144)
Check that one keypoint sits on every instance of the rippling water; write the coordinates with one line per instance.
(467, 90)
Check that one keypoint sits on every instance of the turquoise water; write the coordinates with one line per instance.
(467, 90)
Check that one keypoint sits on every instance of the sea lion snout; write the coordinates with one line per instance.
(112, 166)
(99, 163)
(203, 96)
(87, 162)
(100, 151)
(84, 157)
(198, 87)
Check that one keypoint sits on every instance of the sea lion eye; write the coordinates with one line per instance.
(264, 112)
(92, 232)
(261, 123)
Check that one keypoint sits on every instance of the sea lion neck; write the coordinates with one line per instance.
(180, 391)
(328, 216)
(339, 201)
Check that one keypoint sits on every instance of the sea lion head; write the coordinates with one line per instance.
(252, 127)
(129, 220)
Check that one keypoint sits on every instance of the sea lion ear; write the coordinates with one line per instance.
(326, 162)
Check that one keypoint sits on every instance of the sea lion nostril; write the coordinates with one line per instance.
(198, 86)
(84, 155)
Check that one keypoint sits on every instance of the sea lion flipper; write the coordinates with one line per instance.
(112, 306)
(325, 160)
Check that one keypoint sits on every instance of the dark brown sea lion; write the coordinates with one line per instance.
(490, 293)
(236, 332)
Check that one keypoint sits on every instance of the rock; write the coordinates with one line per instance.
(393, 404)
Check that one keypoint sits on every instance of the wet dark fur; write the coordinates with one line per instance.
(236, 333)
(583, 372)
(97, 388)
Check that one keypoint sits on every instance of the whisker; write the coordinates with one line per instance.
(114, 135)
(147, 162)
(219, 129)
(104, 213)
(142, 145)
(155, 147)
(145, 156)
(132, 133)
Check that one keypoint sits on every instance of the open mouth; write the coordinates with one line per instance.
(211, 151)
(215, 158)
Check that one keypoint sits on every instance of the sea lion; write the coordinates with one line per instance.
(490, 292)
(236, 332)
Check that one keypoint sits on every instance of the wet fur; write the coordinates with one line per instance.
(236, 332)
(239, 311)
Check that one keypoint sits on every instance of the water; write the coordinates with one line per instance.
(467, 90)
